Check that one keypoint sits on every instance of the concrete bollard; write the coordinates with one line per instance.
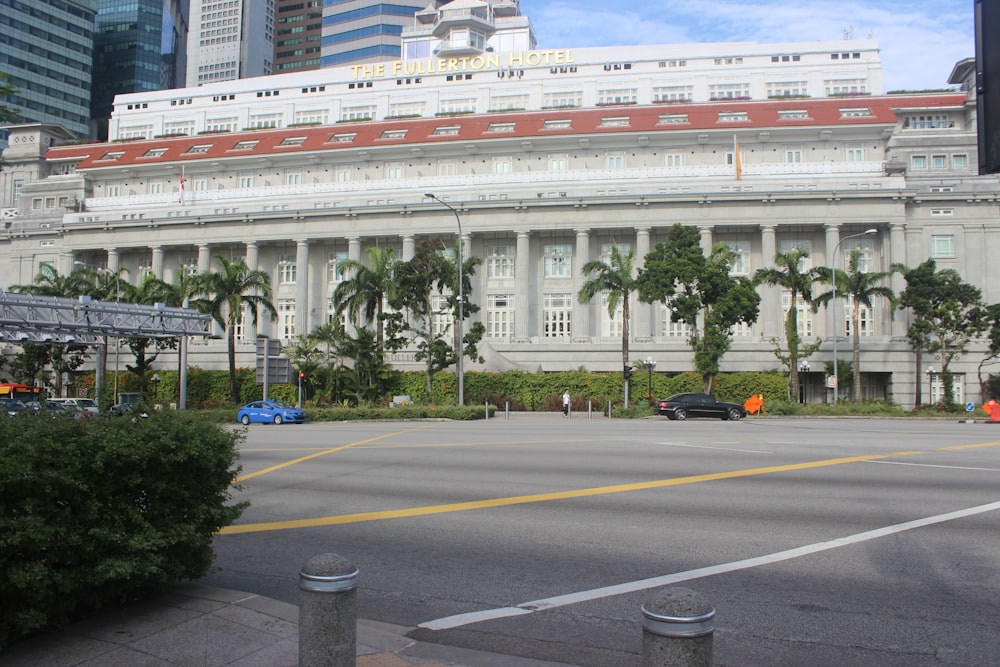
(677, 630)
(328, 617)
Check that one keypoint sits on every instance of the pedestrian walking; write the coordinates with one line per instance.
(566, 399)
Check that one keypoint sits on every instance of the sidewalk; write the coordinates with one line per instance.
(199, 626)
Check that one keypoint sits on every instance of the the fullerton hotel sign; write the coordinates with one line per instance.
(486, 61)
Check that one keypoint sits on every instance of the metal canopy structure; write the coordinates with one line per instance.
(26, 318)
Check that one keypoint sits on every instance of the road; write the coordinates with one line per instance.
(817, 541)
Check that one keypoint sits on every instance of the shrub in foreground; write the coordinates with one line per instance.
(92, 511)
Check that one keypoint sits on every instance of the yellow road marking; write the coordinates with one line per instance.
(541, 497)
(332, 450)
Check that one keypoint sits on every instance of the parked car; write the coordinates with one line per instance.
(14, 407)
(277, 412)
(682, 406)
(85, 404)
(122, 409)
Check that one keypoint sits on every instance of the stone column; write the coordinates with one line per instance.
(522, 285)
(114, 260)
(303, 314)
(204, 258)
(772, 318)
(582, 330)
(645, 322)
(833, 310)
(409, 248)
(705, 234)
(252, 260)
(897, 255)
(157, 262)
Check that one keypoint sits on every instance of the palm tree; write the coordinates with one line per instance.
(617, 280)
(368, 289)
(862, 287)
(226, 295)
(787, 274)
(149, 291)
(49, 282)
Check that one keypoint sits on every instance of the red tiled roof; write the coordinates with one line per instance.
(824, 112)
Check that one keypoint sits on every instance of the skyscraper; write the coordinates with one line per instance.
(46, 46)
(230, 39)
(138, 46)
(298, 35)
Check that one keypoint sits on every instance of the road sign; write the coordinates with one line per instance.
(970, 406)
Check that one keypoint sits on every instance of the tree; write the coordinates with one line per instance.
(430, 274)
(614, 278)
(7, 115)
(149, 291)
(700, 292)
(862, 288)
(787, 274)
(947, 314)
(368, 289)
(228, 295)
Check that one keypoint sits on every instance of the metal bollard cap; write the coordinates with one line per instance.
(679, 612)
(328, 573)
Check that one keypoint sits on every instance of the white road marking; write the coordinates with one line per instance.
(723, 449)
(931, 465)
(459, 620)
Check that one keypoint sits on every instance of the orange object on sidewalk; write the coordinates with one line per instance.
(754, 403)
(992, 408)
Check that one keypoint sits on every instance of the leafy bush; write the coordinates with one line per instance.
(94, 510)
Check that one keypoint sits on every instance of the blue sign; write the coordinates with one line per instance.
(970, 406)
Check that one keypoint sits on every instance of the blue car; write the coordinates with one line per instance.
(267, 412)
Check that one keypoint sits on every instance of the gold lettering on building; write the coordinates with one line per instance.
(479, 63)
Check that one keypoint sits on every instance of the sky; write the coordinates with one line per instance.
(920, 40)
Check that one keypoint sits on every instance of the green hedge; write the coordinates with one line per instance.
(94, 510)
(523, 391)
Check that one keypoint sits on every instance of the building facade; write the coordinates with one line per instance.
(138, 46)
(229, 40)
(46, 47)
(539, 193)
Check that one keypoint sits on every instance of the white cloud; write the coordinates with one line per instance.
(920, 41)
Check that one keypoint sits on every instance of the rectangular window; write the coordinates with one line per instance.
(866, 319)
(617, 96)
(558, 261)
(804, 313)
(673, 329)
(334, 266)
(463, 105)
(793, 154)
(503, 164)
(394, 170)
(562, 100)
(943, 246)
(855, 153)
(499, 262)
(287, 269)
(805, 263)
(441, 318)
(960, 161)
(612, 325)
(245, 181)
(674, 159)
(558, 162)
(293, 178)
(286, 319)
(557, 311)
(741, 259)
(918, 161)
(499, 315)
(614, 160)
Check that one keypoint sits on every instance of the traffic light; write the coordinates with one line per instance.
(627, 372)
(302, 375)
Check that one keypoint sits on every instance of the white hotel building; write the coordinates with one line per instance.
(549, 157)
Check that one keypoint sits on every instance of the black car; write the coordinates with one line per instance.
(682, 406)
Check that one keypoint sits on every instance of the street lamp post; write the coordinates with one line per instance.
(930, 385)
(833, 260)
(803, 368)
(461, 302)
(650, 365)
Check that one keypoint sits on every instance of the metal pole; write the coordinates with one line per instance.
(118, 342)
(182, 390)
(833, 291)
(461, 299)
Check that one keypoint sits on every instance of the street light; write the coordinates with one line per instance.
(833, 260)
(156, 385)
(930, 385)
(461, 299)
(650, 365)
(803, 368)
